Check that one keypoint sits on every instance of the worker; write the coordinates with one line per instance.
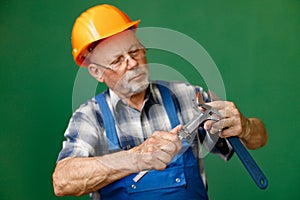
(133, 126)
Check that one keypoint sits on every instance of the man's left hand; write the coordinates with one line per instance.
(232, 123)
(251, 131)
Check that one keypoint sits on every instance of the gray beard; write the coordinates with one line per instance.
(127, 88)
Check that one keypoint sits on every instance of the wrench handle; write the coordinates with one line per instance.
(248, 162)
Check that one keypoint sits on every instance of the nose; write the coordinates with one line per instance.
(130, 62)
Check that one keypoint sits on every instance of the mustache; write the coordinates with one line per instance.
(132, 73)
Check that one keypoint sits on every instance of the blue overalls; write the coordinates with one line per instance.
(180, 180)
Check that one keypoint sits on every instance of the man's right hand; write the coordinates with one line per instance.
(158, 150)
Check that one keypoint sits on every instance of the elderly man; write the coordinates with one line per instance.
(134, 125)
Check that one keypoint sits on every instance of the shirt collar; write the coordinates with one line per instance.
(151, 96)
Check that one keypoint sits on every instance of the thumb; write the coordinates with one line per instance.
(176, 129)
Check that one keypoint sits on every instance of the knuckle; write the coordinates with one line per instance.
(169, 159)
(151, 140)
(208, 123)
(149, 158)
(239, 128)
(175, 138)
(162, 166)
(231, 104)
(236, 112)
(238, 121)
(173, 147)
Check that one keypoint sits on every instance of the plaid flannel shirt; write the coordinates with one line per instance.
(86, 135)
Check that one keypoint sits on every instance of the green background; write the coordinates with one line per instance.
(255, 45)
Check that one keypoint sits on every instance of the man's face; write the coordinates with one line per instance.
(131, 74)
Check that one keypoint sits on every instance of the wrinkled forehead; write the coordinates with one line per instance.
(116, 45)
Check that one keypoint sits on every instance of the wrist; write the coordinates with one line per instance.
(246, 131)
(134, 155)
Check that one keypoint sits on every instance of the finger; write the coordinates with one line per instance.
(169, 148)
(234, 130)
(159, 165)
(153, 161)
(208, 124)
(161, 138)
(152, 148)
(228, 112)
(172, 144)
(176, 129)
(176, 140)
(220, 125)
(226, 108)
(219, 105)
(166, 142)
(153, 143)
(163, 156)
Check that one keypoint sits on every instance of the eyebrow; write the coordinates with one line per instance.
(121, 54)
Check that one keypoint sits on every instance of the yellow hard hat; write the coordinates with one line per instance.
(97, 23)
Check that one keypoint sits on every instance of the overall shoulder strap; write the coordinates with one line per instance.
(108, 121)
(168, 102)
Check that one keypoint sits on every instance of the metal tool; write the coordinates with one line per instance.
(245, 157)
(248, 162)
(188, 132)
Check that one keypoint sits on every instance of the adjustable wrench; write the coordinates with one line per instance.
(188, 132)
(245, 157)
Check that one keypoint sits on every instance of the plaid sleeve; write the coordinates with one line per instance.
(81, 135)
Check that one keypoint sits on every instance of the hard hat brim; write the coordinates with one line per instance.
(78, 55)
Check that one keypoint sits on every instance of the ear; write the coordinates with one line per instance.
(96, 72)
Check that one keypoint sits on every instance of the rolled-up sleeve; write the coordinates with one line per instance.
(82, 134)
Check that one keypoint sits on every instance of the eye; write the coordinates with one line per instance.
(117, 61)
(134, 53)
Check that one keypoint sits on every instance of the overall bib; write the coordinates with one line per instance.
(180, 180)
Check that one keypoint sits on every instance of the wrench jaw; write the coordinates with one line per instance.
(185, 134)
(213, 114)
(190, 130)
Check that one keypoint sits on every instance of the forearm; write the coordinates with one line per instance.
(78, 176)
(255, 134)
